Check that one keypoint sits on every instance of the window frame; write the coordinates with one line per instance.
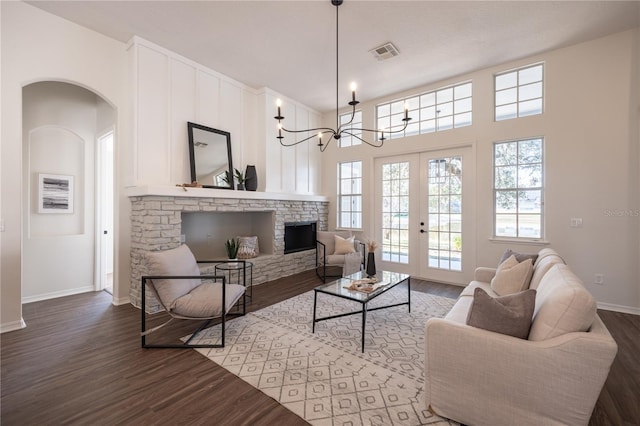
(517, 88)
(517, 187)
(353, 141)
(340, 210)
(423, 113)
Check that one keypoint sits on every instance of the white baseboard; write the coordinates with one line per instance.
(619, 308)
(53, 295)
(12, 326)
(121, 301)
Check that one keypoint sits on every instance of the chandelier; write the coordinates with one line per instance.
(341, 129)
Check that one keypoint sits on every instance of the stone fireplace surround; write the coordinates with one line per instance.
(156, 224)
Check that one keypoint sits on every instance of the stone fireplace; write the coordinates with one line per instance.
(204, 218)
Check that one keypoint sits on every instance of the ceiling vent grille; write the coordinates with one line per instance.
(386, 51)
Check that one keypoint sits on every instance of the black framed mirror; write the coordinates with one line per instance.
(210, 155)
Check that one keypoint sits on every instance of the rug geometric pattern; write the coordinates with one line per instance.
(324, 377)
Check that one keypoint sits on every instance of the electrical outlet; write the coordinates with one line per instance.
(576, 222)
(1, 225)
(183, 238)
(599, 279)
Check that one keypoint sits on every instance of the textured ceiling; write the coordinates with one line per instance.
(289, 46)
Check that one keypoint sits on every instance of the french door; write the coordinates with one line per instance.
(424, 214)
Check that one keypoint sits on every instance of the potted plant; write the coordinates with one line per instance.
(241, 179)
(232, 245)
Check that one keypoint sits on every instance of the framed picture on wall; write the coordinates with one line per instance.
(55, 193)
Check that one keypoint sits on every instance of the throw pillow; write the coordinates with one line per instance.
(248, 247)
(512, 277)
(519, 256)
(510, 315)
(344, 245)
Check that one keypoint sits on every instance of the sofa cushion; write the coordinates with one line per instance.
(460, 310)
(563, 305)
(510, 315)
(344, 245)
(547, 257)
(519, 256)
(177, 262)
(205, 301)
(468, 290)
(512, 276)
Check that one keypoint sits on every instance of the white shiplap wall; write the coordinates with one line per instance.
(170, 90)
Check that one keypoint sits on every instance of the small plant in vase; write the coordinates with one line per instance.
(371, 258)
(232, 245)
(241, 180)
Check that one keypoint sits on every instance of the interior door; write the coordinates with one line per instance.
(424, 214)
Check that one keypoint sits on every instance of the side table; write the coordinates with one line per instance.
(236, 273)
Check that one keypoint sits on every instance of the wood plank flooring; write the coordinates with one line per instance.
(79, 362)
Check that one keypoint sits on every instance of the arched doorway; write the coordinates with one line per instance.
(62, 126)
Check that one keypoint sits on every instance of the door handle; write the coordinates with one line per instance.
(422, 231)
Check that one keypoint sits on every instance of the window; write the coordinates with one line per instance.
(350, 194)
(435, 111)
(519, 92)
(349, 140)
(395, 212)
(518, 188)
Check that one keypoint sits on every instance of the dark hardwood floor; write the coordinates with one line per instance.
(79, 362)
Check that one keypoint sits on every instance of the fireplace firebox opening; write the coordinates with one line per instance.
(299, 236)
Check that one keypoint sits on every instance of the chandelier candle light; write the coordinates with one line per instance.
(345, 128)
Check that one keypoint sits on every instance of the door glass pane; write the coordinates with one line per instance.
(395, 212)
(445, 213)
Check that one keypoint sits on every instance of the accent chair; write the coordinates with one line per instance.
(177, 284)
(338, 253)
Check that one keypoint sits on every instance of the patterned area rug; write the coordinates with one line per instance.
(324, 377)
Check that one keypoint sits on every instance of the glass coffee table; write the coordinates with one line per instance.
(385, 281)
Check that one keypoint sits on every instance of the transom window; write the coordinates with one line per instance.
(519, 93)
(442, 109)
(518, 188)
(349, 140)
(350, 194)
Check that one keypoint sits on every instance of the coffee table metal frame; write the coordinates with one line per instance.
(336, 288)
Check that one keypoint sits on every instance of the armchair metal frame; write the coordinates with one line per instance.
(206, 320)
(323, 266)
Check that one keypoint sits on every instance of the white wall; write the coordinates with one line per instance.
(170, 90)
(590, 127)
(37, 46)
(294, 169)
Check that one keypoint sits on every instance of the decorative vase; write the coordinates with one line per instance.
(240, 186)
(250, 178)
(371, 264)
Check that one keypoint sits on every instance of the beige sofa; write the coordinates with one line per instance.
(480, 377)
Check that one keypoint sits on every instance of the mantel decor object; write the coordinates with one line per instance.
(371, 258)
(241, 180)
(250, 178)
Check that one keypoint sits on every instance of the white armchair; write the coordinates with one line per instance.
(337, 253)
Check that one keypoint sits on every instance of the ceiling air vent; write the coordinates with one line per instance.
(386, 51)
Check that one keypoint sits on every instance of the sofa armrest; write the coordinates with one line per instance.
(484, 274)
(475, 376)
